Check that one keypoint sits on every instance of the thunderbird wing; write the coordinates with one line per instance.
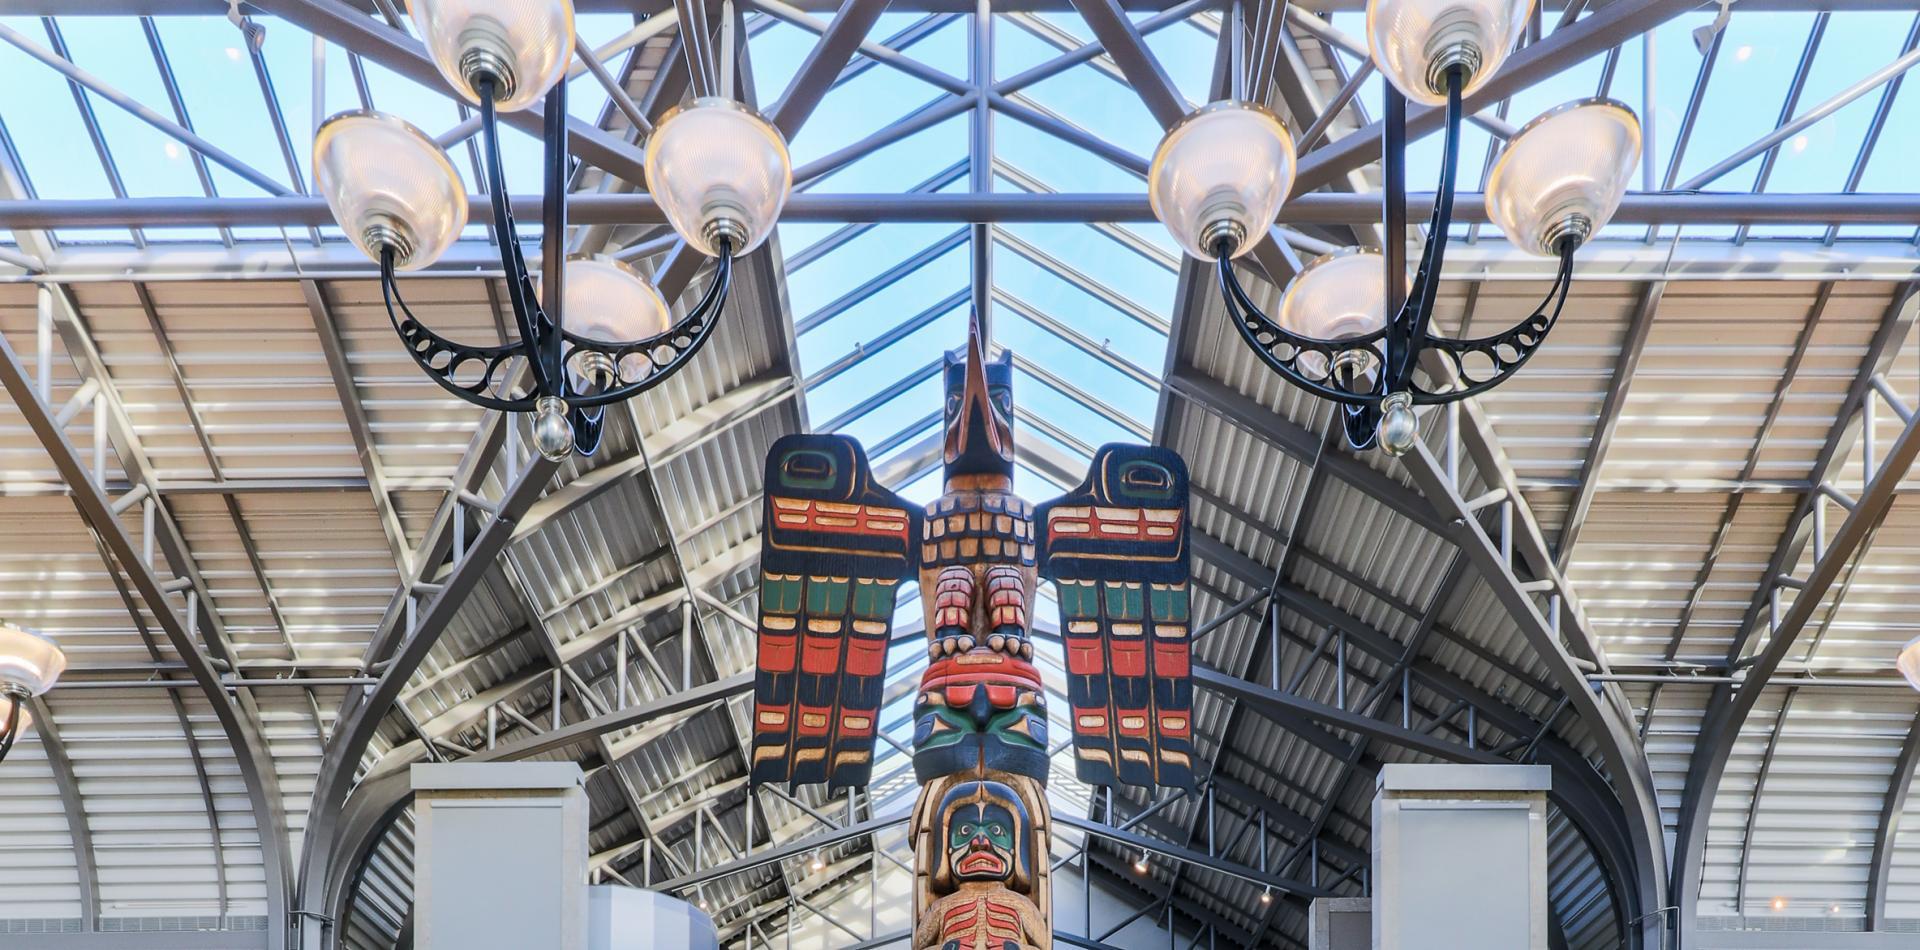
(1116, 548)
(835, 548)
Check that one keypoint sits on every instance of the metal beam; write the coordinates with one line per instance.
(79, 831)
(1318, 209)
(1728, 713)
(336, 21)
(348, 390)
(1625, 368)
(1602, 30)
(1613, 733)
(1899, 784)
(248, 745)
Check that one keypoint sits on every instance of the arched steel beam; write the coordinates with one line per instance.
(78, 829)
(377, 802)
(242, 732)
(1612, 730)
(1890, 812)
(1729, 708)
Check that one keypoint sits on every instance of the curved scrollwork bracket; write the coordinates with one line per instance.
(1485, 362)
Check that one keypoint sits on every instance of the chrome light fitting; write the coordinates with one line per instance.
(29, 665)
(592, 330)
(1352, 326)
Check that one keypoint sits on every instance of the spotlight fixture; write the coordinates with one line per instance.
(29, 665)
(1140, 863)
(593, 332)
(1266, 896)
(1779, 903)
(819, 863)
(1221, 175)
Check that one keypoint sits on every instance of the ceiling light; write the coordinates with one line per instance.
(1140, 863)
(389, 186)
(1220, 175)
(1779, 903)
(1563, 176)
(1557, 182)
(1415, 43)
(719, 172)
(511, 53)
(819, 863)
(1266, 896)
(29, 666)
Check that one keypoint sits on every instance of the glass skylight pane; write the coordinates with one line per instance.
(1820, 158)
(1744, 94)
(901, 165)
(45, 125)
(1148, 283)
(151, 164)
(1091, 425)
(1105, 107)
(1059, 165)
(1101, 324)
(925, 345)
(215, 74)
(1185, 52)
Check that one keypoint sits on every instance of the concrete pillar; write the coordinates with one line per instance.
(1340, 923)
(500, 856)
(1460, 857)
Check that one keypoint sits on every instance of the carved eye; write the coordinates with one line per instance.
(996, 831)
(953, 405)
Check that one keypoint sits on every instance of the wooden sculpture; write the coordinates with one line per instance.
(837, 546)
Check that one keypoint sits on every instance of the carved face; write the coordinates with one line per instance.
(966, 727)
(979, 410)
(984, 832)
(980, 843)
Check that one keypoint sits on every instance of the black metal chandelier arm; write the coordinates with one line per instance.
(446, 361)
(664, 353)
(10, 728)
(1485, 362)
(520, 293)
(1281, 350)
(1416, 313)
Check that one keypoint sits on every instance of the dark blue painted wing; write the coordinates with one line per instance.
(835, 548)
(1116, 548)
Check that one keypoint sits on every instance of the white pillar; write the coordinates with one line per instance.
(500, 856)
(1460, 857)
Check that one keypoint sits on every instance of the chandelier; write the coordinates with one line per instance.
(592, 331)
(29, 664)
(1353, 325)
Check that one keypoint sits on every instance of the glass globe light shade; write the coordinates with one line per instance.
(29, 662)
(607, 301)
(719, 170)
(1415, 42)
(525, 45)
(1221, 173)
(389, 185)
(1336, 297)
(1564, 174)
(1908, 662)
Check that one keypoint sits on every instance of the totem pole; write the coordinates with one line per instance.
(836, 548)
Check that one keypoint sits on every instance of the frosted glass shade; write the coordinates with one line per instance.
(1221, 173)
(29, 661)
(1413, 42)
(606, 300)
(525, 44)
(388, 184)
(1908, 662)
(1336, 297)
(1564, 174)
(717, 169)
